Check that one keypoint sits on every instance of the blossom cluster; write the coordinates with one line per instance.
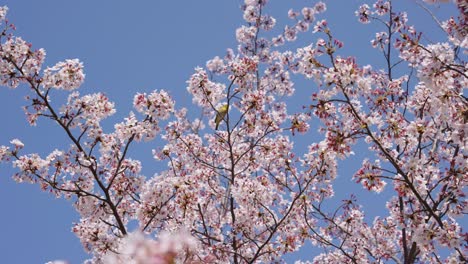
(243, 192)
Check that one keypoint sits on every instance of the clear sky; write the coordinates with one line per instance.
(129, 47)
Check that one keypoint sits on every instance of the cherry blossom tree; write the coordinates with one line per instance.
(243, 193)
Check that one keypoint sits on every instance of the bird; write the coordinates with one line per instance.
(220, 114)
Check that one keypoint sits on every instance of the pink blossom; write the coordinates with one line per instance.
(3, 12)
(251, 13)
(370, 176)
(215, 65)
(363, 13)
(245, 34)
(292, 14)
(17, 143)
(247, 192)
(4, 153)
(320, 7)
(17, 60)
(137, 249)
(382, 7)
(290, 33)
(66, 75)
(308, 14)
(268, 22)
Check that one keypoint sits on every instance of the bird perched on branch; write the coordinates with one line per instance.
(220, 114)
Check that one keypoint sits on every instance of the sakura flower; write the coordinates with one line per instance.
(67, 75)
(215, 65)
(363, 13)
(292, 14)
(290, 33)
(3, 12)
(18, 59)
(245, 34)
(4, 153)
(251, 13)
(17, 143)
(320, 7)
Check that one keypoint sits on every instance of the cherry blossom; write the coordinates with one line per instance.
(67, 75)
(246, 193)
(3, 12)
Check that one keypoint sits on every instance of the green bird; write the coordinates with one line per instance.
(220, 114)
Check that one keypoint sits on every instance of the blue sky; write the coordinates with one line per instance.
(129, 47)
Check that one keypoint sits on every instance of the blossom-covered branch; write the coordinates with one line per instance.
(236, 188)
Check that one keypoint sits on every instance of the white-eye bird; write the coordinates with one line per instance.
(220, 114)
